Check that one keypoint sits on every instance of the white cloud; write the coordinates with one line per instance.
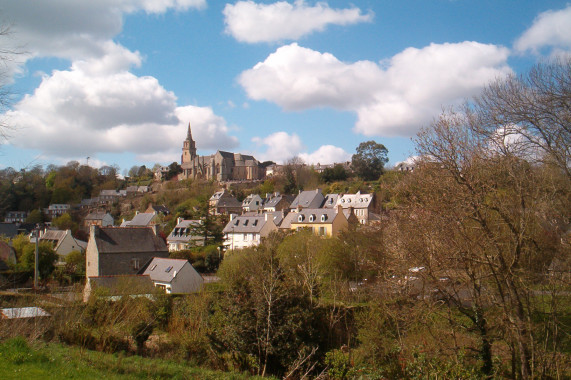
(73, 29)
(326, 154)
(251, 22)
(549, 29)
(392, 98)
(78, 113)
(281, 146)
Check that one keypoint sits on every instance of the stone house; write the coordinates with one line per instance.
(224, 203)
(277, 202)
(362, 205)
(119, 251)
(252, 203)
(102, 219)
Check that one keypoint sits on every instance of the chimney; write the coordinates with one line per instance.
(155, 228)
(231, 217)
(179, 219)
(93, 231)
(266, 217)
(339, 209)
(137, 212)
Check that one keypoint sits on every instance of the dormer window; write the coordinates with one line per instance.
(300, 218)
(255, 223)
(312, 218)
(236, 222)
(246, 222)
(323, 218)
(342, 200)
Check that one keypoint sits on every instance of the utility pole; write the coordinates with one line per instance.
(36, 257)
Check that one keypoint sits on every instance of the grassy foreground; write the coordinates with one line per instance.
(21, 360)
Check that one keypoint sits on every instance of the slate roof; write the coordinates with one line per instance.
(330, 201)
(164, 270)
(273, 201)
(8, 230)
(245, 224)
(53, 235)
(183, 231)
(128, 240)
(309, 216)
(95, 216)
(355, 200)
(308, 198)
(142, 219)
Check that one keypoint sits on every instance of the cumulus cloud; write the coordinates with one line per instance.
(281, 146)
(326, 154)
(251, 22)
(77, 112)
(98, 105)
(390, 98)
(77, 29)
(551, 29)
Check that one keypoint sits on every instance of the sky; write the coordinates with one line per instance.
(117, 82)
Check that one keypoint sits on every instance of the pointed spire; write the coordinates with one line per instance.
(189, 133)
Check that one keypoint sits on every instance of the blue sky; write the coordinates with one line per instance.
(119, 80)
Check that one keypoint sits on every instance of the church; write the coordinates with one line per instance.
(221, 166)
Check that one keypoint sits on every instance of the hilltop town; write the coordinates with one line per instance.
(458, 261)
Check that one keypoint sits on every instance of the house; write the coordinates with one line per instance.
(136, 189)
(117, 286)
(322, 221)
(247, 230)
(307, 199)
(16, 216)
(330, 201)
(110, 196)
(183, 236)
(157, 209)
(102, 219)
(8, 230)
(141, 219)
(62, 241)
(224, 203)
(362, 205)
(277, 202)
(174, 275)
(56, 209)
(221, 166)
(161, 172)
(118, 251)
(253, 202)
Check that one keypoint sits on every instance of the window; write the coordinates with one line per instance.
(321, 231)
(300, 218)
(168, 269)
(323, 218)
(153, 268)
(135, 263)
(246, 222)
(312, 218)
(255, 223)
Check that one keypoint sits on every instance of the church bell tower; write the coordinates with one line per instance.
(188, 148)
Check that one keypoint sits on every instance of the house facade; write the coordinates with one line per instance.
(361, 205)
(247, 230)
(16, 216)
(221, 166)
(121, 251)
(323, 222)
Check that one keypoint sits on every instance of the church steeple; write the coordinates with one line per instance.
(188, 147)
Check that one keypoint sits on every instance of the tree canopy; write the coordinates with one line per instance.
(370, 160)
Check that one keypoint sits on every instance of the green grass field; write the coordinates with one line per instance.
(22, 360)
